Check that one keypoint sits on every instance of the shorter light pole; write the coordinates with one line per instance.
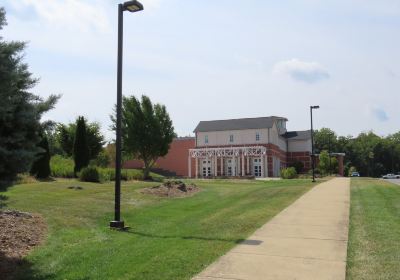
(312, 143)
(329, 148)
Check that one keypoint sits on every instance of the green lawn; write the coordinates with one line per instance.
(374, 237)
(169, 239)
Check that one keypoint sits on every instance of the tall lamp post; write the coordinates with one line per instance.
(131, 6)
(312, 143)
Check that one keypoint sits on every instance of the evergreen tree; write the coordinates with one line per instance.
(65, 135)
(41, 167)
(81, 148)
(20, 110)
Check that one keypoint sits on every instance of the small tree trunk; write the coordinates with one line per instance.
(146, 170)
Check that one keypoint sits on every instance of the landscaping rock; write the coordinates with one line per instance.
(172, 189)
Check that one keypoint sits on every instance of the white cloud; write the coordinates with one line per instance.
(70, 14)
(309, 72)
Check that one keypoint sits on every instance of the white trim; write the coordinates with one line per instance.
(252, 151)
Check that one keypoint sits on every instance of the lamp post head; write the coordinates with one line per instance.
(132, 6)
(314, 107)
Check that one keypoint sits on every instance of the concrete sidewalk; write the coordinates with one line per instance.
(307, 240)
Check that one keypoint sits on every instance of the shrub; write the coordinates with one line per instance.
(351, 170)
(62, 167)
(90, 174)
(108, 174)
(298, 165)
(102, 159)
(288, 173)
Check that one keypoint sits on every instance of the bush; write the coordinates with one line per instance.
(108, 174)
(351, 170)
(62, 167)
(102, 159)
(298, 165)
(288, 173)
(90, 174)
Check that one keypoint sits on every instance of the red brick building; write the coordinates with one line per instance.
(175, 161)
(258, 147)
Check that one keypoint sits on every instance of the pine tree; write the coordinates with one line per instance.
(20, 110)
(41, 167)
(81, 148)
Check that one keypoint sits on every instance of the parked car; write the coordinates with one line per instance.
(391, 176)
(355, 174)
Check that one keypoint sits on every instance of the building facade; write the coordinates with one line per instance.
(258, 147)
(250, 147)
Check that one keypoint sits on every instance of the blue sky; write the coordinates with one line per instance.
(220, 59)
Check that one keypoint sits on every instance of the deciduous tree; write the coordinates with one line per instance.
(147, 130)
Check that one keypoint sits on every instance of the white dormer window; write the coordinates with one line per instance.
(257, 136)
(206, 139)
(231, 138)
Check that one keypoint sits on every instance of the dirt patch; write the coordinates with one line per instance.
(75, 188)
(172, 189)
(19, 233)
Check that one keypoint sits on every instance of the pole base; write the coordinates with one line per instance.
(117, 224)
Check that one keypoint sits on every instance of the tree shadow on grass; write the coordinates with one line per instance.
(13, 268)
(230, 240)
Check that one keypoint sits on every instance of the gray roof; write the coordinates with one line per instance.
(237, 124)
(298, 135)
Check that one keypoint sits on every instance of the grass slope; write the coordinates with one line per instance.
(169, 238)
(374, 237)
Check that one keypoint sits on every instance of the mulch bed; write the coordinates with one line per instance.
(19, 233)
(172, 189)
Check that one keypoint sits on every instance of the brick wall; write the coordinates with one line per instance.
(175, 161)
(304, 157)
(177, 158)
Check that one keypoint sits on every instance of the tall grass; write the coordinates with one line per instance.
(62, 167)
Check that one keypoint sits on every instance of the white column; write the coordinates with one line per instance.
(248, 165)
(266, 165)
(238, 166)
(233, 166)
(215, 166)
(202, 166)
(190, 167)
(197, 168)
(222, 166)
(243, 172)
(262, 166)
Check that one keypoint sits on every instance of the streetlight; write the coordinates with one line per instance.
(131, 6)
(312, 143)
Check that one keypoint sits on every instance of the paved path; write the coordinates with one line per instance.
(307, 240)
(394, 181)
